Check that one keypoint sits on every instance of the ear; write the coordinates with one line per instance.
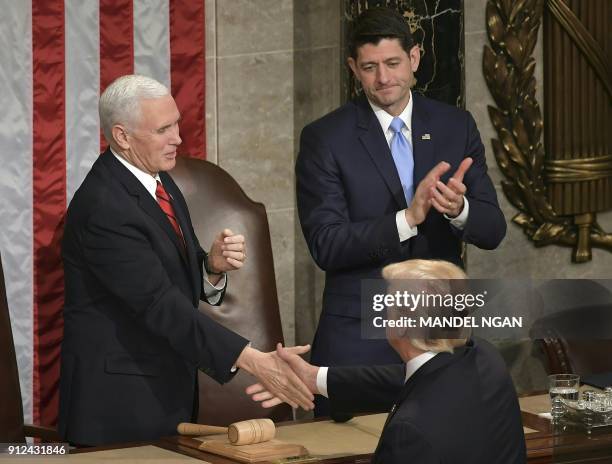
(395, 333)
(401, 332)
(353, 65)
(415, 57)
(120, 136)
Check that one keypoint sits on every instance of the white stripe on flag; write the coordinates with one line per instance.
(82, 90)
(152, 39)
(16, 181)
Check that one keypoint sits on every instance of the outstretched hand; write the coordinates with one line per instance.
(276, 376)
(304, 370)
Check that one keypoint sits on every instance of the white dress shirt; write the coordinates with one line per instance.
(411, 367)
(403, 228)
(149, 182)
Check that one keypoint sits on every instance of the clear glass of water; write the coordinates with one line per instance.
(562, 387)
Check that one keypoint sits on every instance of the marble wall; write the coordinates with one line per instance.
(272, 66)
(317, 71)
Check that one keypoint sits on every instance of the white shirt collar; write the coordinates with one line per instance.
(385, 118)
(416, 363)
(147, 180)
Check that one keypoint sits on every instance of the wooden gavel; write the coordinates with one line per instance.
(246, 432)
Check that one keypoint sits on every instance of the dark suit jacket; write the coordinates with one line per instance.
(133, 338)
(348, 193)
(457, 408)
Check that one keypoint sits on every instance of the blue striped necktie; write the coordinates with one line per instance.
(401, 150)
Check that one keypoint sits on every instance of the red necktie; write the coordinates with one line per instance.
(166, 205)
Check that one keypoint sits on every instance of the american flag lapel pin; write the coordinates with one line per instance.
(426, 137)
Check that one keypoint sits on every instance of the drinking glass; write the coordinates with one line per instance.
(562, 387)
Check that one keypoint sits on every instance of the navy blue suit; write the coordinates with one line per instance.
(348, 193)
(456, 408)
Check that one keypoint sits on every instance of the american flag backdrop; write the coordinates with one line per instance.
(55, 57)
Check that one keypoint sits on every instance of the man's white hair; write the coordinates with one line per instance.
(120, 102)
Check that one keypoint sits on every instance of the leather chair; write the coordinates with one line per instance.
(250, 307)
(12, 427)
(576, 341)
(574, 330)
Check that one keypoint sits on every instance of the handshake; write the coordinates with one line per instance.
(284, 377)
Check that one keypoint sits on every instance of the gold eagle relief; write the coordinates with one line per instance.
(558, 175)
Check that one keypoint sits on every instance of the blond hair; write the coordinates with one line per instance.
(437, 273)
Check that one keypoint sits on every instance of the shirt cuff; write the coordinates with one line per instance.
(459, 221)
(234, 368)
(213, 292)
(322, 381)
(403, 228)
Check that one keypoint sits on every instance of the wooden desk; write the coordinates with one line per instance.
(560, 444)
(544, 444)
(330, 442)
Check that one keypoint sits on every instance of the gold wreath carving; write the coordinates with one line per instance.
(508, 66)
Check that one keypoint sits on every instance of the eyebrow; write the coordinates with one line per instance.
(171, 124)
(365, 63)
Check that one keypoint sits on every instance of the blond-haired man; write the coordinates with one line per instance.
(452, 402)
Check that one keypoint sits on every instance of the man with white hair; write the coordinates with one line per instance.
(452, 401)
(133, 337)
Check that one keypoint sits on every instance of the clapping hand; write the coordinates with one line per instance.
(448, 199)
(422, 200)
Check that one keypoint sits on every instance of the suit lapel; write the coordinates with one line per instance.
(373, 139)
(183, 219)
(146, 202)
(422, 140)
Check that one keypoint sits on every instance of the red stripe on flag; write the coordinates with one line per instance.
(49, 202)
(116, 43)
(187, 73)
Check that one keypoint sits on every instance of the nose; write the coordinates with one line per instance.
(176, 138)
(382, 74)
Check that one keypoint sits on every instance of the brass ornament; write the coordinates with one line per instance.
(508, 66)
